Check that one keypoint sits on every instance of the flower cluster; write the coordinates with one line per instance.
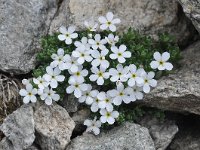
(98, 51)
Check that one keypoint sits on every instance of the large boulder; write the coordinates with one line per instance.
(192, 11)
(148, 16)
(129, 136)
(162, 132)
(18, 127)
(53, 127)
(179, 91)
(22, 23)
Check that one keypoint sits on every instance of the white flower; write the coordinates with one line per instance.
(99, 75)
(72, 64)
(41, 82)
(82, 56)
(88, 96)
(76, 86)
(25, 82)
(90, 25)
(93, 125)
(119, 74)
(49, 95)
(97, 42)
(83, 44)
(108, 116)
(135, 75)
(95, 105)
(120, 53)
(161, 61)
(29, 94)
(59, 60)
(53, 76)
(111, 39)
(149, 81)
(99, 58)
(136, 93)
(80, 74)
(67, 34)
(108, 22)
(121, 94)
(105, 101)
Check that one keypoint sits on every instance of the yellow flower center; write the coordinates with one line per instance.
(78, 73)
(119, 54)
(161, 62)
(29, 94)
(133, 75)
(100, 74)
(145, 81)
(109, 23)
(108, 114)
(121, 94)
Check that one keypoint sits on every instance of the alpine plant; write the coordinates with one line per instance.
(98, 50)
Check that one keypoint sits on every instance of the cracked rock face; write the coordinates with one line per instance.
(148, 16)
(53, 127)
(22, 23)
(192, 11)
(162, 133)
(18, 127)
(126, 137)
(179, 91)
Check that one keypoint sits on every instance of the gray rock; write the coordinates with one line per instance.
(129, 136)
(187, 139)
(5, 144)
(53, 127)
(179, 91)
(22, 23)
(192, 11)
(18, 127)
(70, 103)
(162, 132)
(148, 16)
(33, 147)
(79, 117)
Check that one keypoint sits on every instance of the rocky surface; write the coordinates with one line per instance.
(128, 136)
(5, 144)
(18, 127)
(192, 11)
(22, 23)
(70, 103)
(162, 132)
(53, 127)
(179, 91)
(148, 16)
(188, 137)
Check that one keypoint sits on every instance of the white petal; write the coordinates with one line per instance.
(121, 59)
(23, 92)
(103, 119)
(117, 100)
(60, 51)
(126, 54)
(33, 99)
(115, 114)
(55, 97)
(154, 64)
(113, 56)
(153, 83)
(116, 21)
(100, 81)
(61, 37)
(109, 16)
(110, 120)
(165, 56)
(53, 83)
(48, 101)
(89, 100)
(74, 68)
(77, 93)
(157, 56)
(60, 78)
(96, 130)
(68, 40)
(76, 54)
(94, 107)
(131, 82)
(103, 26)
(168, 66)
(74, 35)
(63, 30)
(102, 19)
(93, 77)
(26, 99)
(146, 88)
(112, 28)
(70, 89)
(71, 29)
(49, 70)
(87, 123)
(151, 75)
